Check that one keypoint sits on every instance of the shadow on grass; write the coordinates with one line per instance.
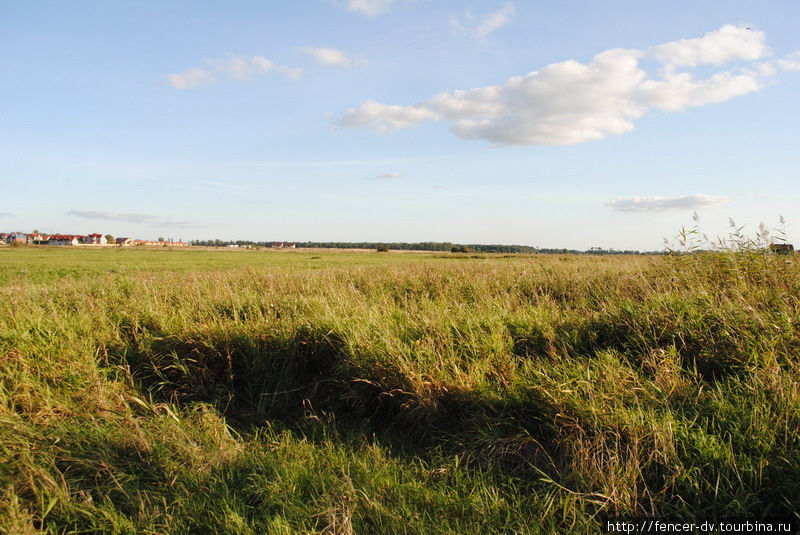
(709, 343)
(308, 377)
(307, 383)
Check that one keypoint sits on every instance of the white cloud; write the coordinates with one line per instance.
(384, 117)
(571, 102)
(191, 78)
(235, 67)
(328, 56)
(486, 24)
(389, 175)
(680, 90)
(370, 8)
(789, 63)
(729, 43)
(658, 204)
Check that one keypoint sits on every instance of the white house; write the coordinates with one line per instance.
(63, 239)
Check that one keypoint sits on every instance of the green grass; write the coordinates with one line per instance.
(201, 391)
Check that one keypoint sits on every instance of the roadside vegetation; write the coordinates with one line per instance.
(186, 391)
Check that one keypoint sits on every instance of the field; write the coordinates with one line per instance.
(202, 391)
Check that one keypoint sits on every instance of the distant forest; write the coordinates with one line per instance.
(424, 246)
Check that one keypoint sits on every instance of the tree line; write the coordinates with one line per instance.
(426, 246)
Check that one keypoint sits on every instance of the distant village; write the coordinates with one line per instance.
(95, 240)
(100, 240)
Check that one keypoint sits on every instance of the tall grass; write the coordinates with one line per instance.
(253, 392)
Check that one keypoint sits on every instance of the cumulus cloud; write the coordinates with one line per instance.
(678, 91)
(571, 102)
(370, 8)
(658, 204)
(727, 44)
(483, 26)
(156, 221)
(235, 67)
(328, 56)
(389, 175)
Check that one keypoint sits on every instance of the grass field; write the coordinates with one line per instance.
(201, 391)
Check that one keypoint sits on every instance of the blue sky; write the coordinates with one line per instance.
(556, 124)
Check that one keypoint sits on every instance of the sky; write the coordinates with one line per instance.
(555, 124)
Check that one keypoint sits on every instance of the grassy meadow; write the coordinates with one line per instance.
(261, 392)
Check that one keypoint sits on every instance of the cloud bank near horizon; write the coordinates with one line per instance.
(661, 204)
(571, 102)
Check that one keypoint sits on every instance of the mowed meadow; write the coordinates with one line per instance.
(253, 392)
